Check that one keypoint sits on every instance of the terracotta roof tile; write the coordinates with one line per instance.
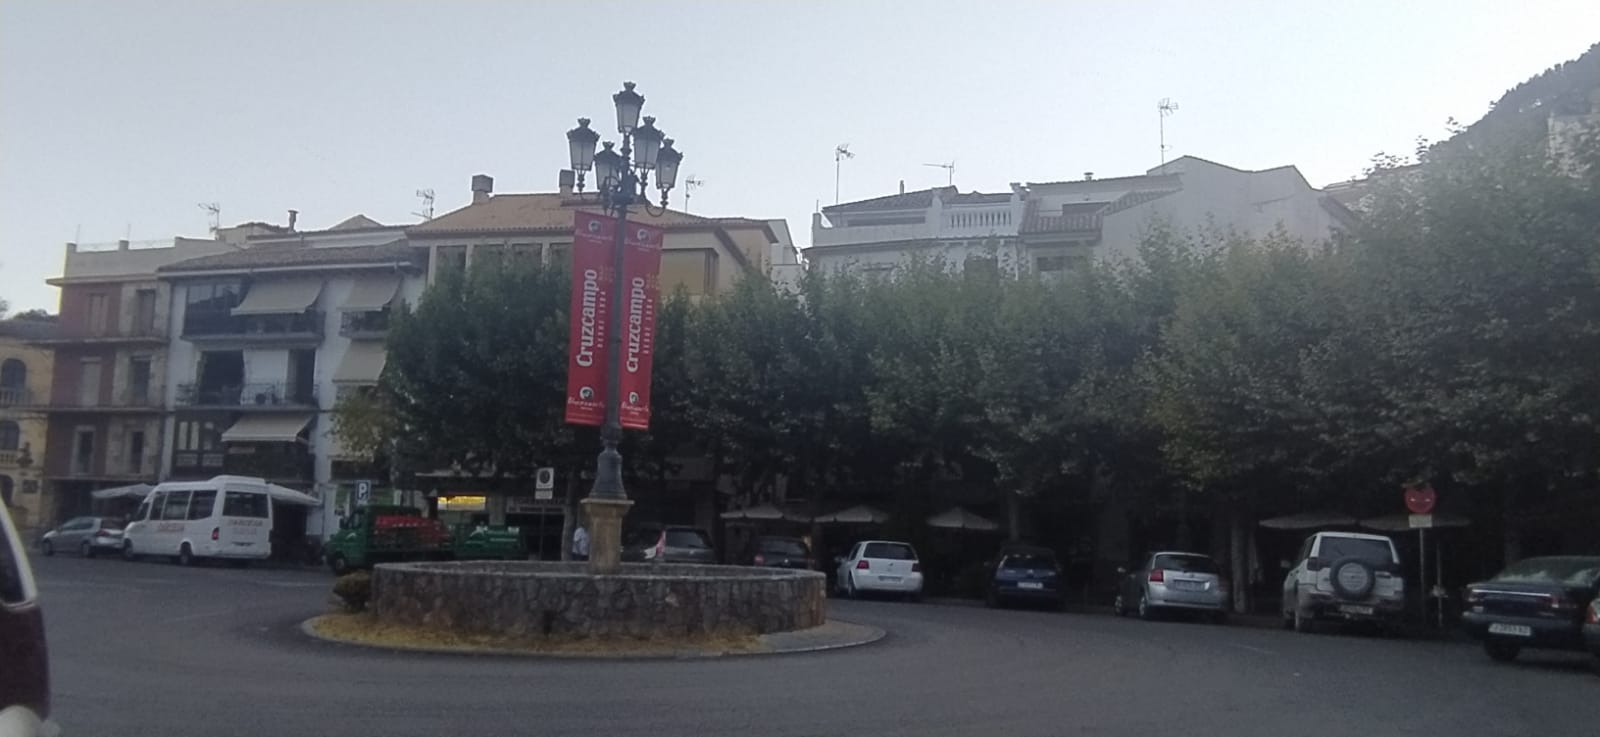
(919, 200)
(293, 255)
(545, 211)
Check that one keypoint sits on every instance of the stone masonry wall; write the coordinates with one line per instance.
(528, 599)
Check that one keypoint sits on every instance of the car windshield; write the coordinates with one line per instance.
(780, 546)
(687, 539)
(1360, 548)
(1185, 563)
(1567, 571)
(889, 551)
(1029, 561)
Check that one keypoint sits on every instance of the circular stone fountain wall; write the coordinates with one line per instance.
(639, 601)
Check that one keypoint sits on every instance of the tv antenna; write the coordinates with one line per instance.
(949, 171)
(689, 186)
(214, 210)
(1165, 108)
(427, 204)
(840, 153)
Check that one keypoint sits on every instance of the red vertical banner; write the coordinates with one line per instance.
(592, 239)
(641, 268)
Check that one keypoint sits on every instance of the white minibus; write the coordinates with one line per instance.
(225, 518)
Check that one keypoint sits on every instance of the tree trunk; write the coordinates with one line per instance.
(1239, 558)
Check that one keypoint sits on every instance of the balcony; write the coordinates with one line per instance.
(197, 464)
(223, 327)
(128, 400)
(364, 325)
(9, 458)
(15, 396)
(84, 334)
(261, 396)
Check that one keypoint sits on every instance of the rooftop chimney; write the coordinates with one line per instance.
(1088, 176)
(293, 216)
(482, 187)
(564, 183)
(902, 186)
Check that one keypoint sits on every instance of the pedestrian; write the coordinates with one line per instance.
(580, 543)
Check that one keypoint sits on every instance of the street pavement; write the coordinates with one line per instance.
(153, 649)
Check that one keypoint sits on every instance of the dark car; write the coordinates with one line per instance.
(1537, 603)
(778, 552)
(1025, 574)
(669, 544)
(1591, 632)
(24, 663)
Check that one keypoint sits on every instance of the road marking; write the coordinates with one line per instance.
(294, 584)
(1260, 650)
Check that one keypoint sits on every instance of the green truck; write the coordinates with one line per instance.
(388, 534)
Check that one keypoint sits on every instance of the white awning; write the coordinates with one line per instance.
(370, 294)
(1309, 521)
(290, 496)
(862, 515)
(957, 518)
(762, 512)
(362, 364)
(133, 491)
(267, 428)
(280, 297)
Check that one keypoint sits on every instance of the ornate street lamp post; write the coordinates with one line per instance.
(622, 179)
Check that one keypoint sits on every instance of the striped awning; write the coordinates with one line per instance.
(267, 428)
(288, 297)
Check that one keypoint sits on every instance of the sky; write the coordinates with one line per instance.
(117, 119)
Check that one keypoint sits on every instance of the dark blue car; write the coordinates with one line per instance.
(1026, 575)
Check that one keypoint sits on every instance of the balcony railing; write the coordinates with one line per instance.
(15, 396)
(247, 395)
(107, 334)
(202, 325)
(129, 398)
(364, 324)
(9, 457)
(193, 462)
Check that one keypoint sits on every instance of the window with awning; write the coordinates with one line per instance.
(362, 364)
(371, 294)
(289, 297)
(267, 428)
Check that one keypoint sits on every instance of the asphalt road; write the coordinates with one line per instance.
(153, 649)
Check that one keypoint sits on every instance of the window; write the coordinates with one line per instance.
(452, 258)
(176, 506)
(143, 511)
(136, 451)
(558, 254)
(138, 380)
(244, 504)
(1046, 264)
(784, 546)
(15, 586)
(1029, 562)
(687, 539)
(97, 314)
(83, 451)
(89, 382)
(144, 312)
(1376, 552)
(196, 435)
(201, 503)
(13, 379)
(10, 435)
(1184, 563)
(889, 551)
(1572, 571)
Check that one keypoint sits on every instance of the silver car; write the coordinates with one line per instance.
(1171, 581)
(86, 536)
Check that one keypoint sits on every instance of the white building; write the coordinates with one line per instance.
(1047, 227)
(262, 342)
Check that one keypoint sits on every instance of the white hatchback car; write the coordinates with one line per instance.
(881, 566)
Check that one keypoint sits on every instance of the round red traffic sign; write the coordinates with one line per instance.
(1420, 499)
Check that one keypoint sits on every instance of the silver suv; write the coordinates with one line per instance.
(1344, 576)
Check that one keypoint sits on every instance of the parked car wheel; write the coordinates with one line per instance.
(338, 564)
(46, 548)
(185, 556)
(1118, 607)
(127, 551)
(86, 550)
(1501, 651)
(1144, 610)
(850, 591)
(991, 600)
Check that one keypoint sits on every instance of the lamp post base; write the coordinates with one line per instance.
(605, 533)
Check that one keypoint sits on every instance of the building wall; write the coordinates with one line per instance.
(31, 506)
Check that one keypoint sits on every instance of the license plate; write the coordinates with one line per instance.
(1517, 630)
(889, 579)
(1354, 609)
(1029, 585)
(1188, 585)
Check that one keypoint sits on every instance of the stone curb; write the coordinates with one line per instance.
(853, 635)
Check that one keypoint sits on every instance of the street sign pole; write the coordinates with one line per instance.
(1422, 567)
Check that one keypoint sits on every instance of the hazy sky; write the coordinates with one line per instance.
(118, 118)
